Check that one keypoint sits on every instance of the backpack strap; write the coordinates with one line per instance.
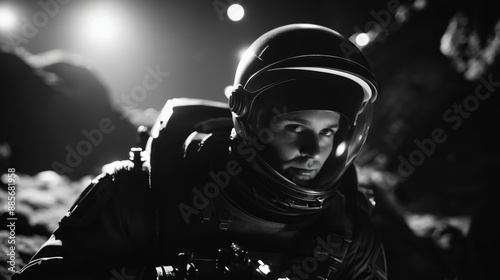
(198, 165)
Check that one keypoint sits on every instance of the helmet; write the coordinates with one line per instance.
(304, 67)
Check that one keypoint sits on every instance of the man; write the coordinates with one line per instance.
(263, 190)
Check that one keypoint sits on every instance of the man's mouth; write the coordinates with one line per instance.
(302, 173)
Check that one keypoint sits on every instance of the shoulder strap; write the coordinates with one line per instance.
(338, 239)
(332, 248)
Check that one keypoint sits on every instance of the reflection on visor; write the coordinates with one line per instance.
(340, 149)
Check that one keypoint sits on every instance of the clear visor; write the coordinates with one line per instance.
(318, 92)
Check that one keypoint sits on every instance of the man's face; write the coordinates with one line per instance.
(302, 141)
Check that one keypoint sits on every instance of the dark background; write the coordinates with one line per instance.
(435, 201)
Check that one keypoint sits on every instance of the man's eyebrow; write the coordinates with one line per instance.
(294, 119)
(304, 122)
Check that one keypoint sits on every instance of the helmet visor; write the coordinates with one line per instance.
(304, 91)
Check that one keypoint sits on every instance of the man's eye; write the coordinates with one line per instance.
(295, 128)
(327, 132)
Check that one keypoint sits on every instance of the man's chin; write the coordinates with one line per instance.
(301, 177)
(303, 181)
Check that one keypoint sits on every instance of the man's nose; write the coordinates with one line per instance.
(310, 145)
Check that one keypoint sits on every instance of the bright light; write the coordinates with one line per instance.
(235, 12)
(8, 18)
(102, 24)
(362, 39)
(241, 53)
(228, 90)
